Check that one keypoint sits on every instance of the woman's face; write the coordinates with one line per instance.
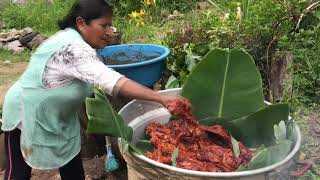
(97, 32)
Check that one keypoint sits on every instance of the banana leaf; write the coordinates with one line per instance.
(103, 119)
(269, 155)
(225, 84)
(258, 128)
(143, 146)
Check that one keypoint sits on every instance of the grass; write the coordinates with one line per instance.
(10, 57)
(38, 14)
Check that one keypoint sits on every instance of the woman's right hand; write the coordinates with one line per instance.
(177, 105)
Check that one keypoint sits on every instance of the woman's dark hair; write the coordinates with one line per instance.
(88, 10)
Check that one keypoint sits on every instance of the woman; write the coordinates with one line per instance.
(40, 110)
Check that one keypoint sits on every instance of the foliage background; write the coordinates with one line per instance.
(261, 27)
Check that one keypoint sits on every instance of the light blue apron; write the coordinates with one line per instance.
(50, 135)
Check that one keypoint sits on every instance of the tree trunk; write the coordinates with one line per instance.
(281, 76)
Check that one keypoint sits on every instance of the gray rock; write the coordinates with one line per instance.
(26, 31)
(12, 35)
(175, 15)
(15, 46)
(2, 46)
(20, 1)
(36, 41)
(203, 5)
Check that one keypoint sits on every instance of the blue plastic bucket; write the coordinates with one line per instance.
(147, 61)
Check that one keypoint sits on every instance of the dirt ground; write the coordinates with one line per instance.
(94, 170)
(9, 73)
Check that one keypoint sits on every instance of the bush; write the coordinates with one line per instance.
(263, 28)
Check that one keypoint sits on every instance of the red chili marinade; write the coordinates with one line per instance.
(201, 148)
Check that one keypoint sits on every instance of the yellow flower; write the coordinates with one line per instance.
(148, 2)
(142, 12)
(133, 14)
(238, 12)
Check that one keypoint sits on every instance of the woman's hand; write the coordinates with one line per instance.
(177, 105)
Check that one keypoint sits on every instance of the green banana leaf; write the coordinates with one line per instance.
(266, 156)
(144, 145)
(103, 119)
(258, 128)
(225, 84)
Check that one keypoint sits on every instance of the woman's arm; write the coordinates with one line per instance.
(129, 88)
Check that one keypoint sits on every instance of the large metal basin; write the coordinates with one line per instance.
(138, 113)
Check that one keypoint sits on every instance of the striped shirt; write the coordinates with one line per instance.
(79, 61)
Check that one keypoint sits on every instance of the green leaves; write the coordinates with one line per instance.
(225, 84)
(235, 147)
(144, 145)
(174, 157)
(172, 82)
(280, 131)
(103, 119)
(225, 88)
(269, 155)
(257, 128)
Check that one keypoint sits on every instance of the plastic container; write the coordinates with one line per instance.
(146, 61)
(138, 113)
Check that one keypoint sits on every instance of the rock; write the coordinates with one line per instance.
(2, 46)
(203, 5)
(36, 41)
(26, 31)
(174, 15)
(24, 40)
(15, 46)
(12, 35)
(164, 13)
(20, 1)
(7, 62)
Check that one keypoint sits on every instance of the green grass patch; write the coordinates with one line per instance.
(10, 57)
(38, 14)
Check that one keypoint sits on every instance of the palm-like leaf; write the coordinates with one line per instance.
(103, 119)
(225, 84)
(258, 128)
